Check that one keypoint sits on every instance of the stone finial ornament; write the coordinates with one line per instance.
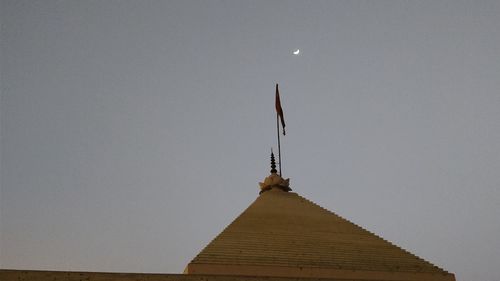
(274, 180)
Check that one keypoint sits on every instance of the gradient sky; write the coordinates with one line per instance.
(133, 132)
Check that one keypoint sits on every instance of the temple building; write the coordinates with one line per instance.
(282, 236)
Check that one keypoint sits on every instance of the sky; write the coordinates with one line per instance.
(133, 132)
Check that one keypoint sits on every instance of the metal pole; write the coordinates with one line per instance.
(279, 143)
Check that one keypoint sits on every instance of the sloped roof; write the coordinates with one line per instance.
(284, 234)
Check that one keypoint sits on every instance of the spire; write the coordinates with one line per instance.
(274, 180)
(273, 163)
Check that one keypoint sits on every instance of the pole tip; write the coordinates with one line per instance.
(273, 163)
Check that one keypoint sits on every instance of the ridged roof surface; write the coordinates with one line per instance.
(284, 230)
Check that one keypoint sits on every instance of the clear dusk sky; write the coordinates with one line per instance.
(133, 132)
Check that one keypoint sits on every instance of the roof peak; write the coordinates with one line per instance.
(274, 180)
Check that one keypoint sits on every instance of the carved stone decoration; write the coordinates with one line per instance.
(274, 180)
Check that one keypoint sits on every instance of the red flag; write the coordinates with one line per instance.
(279, 110)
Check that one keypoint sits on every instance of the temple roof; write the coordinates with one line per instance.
(284, 234)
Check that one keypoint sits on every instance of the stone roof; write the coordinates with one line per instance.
(284, 234)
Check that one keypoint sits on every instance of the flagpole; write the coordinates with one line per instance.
(279, 143)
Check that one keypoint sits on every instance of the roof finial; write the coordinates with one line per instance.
(273, 163)
(274, 180)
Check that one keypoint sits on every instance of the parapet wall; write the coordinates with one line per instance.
(35, 275)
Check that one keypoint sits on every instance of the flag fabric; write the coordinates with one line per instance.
(279, 110)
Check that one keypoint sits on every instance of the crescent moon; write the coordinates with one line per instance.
(296, 52)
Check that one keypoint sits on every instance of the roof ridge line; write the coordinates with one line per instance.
(402, 249)
(221, 232)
